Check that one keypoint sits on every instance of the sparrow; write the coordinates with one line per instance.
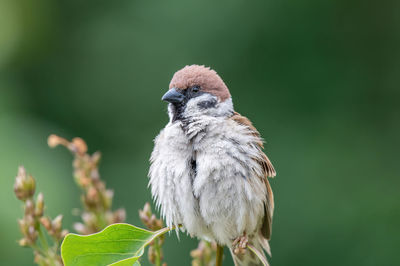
(208, 171)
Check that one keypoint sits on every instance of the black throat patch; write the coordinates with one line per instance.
(189, 93)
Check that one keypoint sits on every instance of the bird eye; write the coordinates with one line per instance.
(195, 89)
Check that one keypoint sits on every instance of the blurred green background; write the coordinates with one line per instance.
(319, 79)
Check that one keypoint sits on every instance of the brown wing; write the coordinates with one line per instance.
(266, 164)
(268, 171)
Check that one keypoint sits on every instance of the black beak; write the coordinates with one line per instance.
(173, 96)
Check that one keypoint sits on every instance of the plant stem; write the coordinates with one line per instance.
(158, 251)
(46, 249)
(220, 254)
(38, 249)
(43, 239)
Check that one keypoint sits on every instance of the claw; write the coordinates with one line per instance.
(239, 245)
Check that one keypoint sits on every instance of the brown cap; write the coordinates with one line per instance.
(204, 77)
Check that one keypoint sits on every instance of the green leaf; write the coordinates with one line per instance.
(117, 244)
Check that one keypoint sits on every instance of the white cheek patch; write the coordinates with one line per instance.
(193, 106)
(225, 108)
(208, 104)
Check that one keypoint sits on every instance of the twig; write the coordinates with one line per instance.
(158, 251)
(220, 254)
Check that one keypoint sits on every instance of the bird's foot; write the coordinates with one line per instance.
(239, 245)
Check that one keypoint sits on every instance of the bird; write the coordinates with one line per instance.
(208, 172)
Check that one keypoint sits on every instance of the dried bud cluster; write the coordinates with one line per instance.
(24, 186)
(29, 225)
(96, 198)
(150, 220)
(205, 254)
(54, 227)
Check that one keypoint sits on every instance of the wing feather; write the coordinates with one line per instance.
(268, 171)
(268, 168)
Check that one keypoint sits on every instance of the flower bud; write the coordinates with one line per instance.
(38, 259)
(84, 181)
(143, 217)
(158, 224)
(89, 218)
(92, 197)
(29, 208)
(32, 234)
(64, 233)
(30, 220)
(45, 221)
(23, 226)
(109, 217)
(54, 140)
(80, 228)
(23, 242)
(79, 145)
(39, 208)
(77, 163)
(31, 230)
(94, 174)
(147, 209)
(24, 186)
(119, 216)
(107, 198)
(96, 158)
(196, 253)
(57, 223)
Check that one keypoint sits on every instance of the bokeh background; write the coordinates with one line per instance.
(319, 79)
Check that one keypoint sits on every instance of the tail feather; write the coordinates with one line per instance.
(265, 245)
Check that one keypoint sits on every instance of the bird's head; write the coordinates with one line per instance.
(196, 91)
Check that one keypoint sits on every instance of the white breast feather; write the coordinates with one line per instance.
(225, 197)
